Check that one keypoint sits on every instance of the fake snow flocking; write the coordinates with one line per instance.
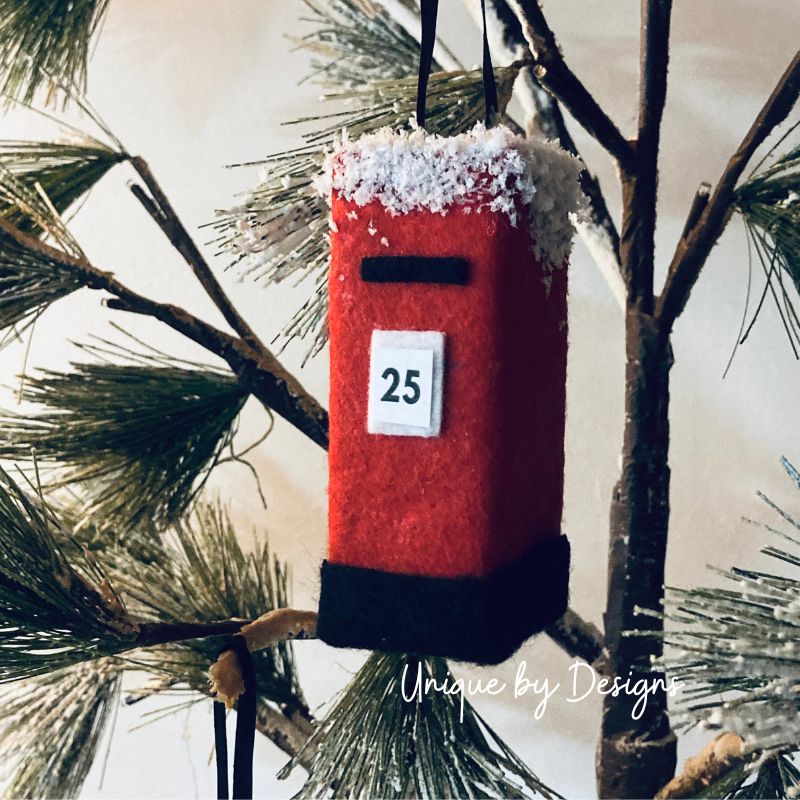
(485, 169)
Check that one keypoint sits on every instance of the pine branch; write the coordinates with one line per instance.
(262, 374)
(374, 743)
(55, 610)
(350, 47)
(52, 726)
(280, 231)
(138, 434)
(44, 44)
(38, 181)
(692, 252)
(552, 72)
(204, 575)
(29, 283)
(198, 570)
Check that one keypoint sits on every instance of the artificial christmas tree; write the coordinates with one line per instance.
(115, 552)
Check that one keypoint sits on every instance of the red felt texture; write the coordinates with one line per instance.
(489, 488)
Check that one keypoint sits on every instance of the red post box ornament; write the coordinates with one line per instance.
(448, 353)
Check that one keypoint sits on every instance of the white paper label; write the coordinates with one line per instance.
(405, 383)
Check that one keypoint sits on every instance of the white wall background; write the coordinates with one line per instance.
(193, 85)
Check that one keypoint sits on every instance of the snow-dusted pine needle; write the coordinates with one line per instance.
(280, 230)
(373, 743)
(737, 649)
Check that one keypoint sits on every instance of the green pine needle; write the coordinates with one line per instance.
(29, 280)
(65, 172)
(52, 726)
(45, 44)
(769, 203)
(55, 610)
(140, 437)
(375, 744)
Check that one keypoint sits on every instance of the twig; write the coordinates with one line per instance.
(578, 638)
(692, 252)
(724, 753)
(260, 372)
(156, 633)
(554, 75)
(284, 733)
(639, 187)
(160, 209)
(699, 204)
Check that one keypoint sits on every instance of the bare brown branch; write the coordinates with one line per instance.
(554, 75)
(160, 209)
(156, 633)
(639, 187)
(578, 638)
(284, 732)
(692, 251)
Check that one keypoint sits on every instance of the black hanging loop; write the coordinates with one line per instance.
(428, 10)
(245, 730)
(221, 751)
(489, 85)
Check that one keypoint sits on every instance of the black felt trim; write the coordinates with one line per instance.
(483, 620)
(415, 269)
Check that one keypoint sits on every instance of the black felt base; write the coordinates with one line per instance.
(483, 620)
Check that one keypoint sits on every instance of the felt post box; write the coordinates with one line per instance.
(448, 337)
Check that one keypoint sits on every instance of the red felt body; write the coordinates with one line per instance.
(489, 488)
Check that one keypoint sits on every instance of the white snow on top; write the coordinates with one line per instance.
(486, 169)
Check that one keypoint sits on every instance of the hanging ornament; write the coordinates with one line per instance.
(448, 342)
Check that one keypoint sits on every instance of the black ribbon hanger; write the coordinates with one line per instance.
(245, 730)
(428, 11)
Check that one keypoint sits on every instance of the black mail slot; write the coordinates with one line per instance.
(414, 269)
